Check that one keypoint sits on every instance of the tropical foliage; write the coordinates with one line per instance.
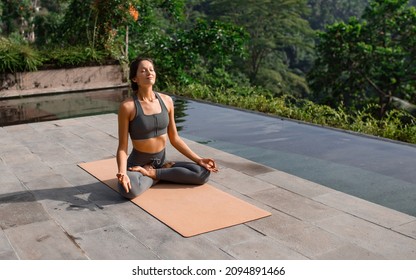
(280, 40)
(397, 125)
(367, 61)
(17, 56)
(327, 12)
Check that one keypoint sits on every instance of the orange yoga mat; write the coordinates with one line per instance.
(189, 210)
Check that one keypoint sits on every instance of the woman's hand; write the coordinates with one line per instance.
(124, 181)
(209, 164)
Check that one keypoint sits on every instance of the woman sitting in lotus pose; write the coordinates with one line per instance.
(149, 119)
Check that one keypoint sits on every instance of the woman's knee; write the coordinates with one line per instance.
(139, 184)
(203, 176)
(133, 192)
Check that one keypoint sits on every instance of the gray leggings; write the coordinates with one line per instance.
(180, 172)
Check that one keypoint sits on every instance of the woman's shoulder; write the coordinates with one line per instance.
(129, 101)
(167, 99)
(127, 104)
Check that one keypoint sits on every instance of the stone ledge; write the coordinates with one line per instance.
(61, 80)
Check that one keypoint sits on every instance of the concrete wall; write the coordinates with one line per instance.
(61, 80)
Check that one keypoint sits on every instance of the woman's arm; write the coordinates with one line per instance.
(123, 139)
(180, 145)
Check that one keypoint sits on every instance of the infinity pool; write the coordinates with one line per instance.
(60, 106)
(374, 169)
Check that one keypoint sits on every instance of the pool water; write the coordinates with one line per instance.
(60, 106)
(374, 169)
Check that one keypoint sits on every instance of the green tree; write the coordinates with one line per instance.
(47, 22)
(1, 16)
(185, 50)
(96, 23)
(280, 40)
(200, 53)
(326, 12)
(16, 15)
(368, 61)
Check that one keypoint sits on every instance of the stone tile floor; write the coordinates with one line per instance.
(51, 209)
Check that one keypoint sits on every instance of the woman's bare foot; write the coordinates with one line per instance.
(146, 170)
(168, 164)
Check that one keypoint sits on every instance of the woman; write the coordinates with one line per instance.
(149, 119)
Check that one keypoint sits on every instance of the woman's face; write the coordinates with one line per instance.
(146, 74)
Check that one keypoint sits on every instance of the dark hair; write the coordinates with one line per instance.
(134, 65)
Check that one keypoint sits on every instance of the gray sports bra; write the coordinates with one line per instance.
(148, 126)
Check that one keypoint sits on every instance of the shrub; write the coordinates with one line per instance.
(18, 56)
(73, 57)
(397, 125)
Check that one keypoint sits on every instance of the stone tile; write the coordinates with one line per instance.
(378, 240)
(278, 225)
(20, 209)
(245, 166)
(38, 143)
(77, 147)
(10, 145)
(3, 165)
(202, 149)
(263, 248)
(47, 181)
(56, 156)
(300, 236)
(144, 226)
(295, 205)
(164, 241)
(239, 195)
(8, 255)
(9, 183)
(18, 156)
(33, 172)
(26, 165)
(64, 124)
(62, 136)
(75, 175)
(350, 252)
(6, 250)
(84, 140)
(42, 127)
(20, 129)
(100, 194)
(43, 241)
(366, 210)
(240, 182)
(100, 132)
(113, 243)
(232, 161)
(96, 135)
(73, 129)
(74, 210)
(312, 241)
(294, 184)
(408, 229)
(60, 194)
(232, 235)
(77, 215)
(107, 123)
(89, 154)
(175, 247)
